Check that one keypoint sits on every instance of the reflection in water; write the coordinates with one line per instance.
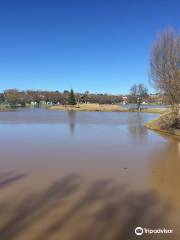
(72, 121)
(137, 129)
(166, 172)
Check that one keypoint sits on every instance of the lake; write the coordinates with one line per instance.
(86, 175)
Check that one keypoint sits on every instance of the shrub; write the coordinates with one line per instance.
(169, 121)
(176, 123)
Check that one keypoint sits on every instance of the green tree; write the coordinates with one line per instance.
(72, 99)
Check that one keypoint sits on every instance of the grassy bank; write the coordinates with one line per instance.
(150, 110)
(93, 107)
(90, 107)
(155, 125)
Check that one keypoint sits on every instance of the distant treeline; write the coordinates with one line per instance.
(15, 97)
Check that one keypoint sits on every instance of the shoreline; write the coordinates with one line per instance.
(154, 125)
(104, 108)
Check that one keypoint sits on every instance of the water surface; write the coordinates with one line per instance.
(86, 175)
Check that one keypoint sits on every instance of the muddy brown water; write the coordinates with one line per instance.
(86, 175)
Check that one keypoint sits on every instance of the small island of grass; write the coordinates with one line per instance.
(95, 107)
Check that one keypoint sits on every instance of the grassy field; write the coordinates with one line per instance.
(103, 108)
(90, 107)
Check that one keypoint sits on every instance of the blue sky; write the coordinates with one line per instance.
(94, 45)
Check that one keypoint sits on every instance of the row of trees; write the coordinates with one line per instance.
(14, 97)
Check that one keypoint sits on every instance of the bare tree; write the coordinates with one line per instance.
(165, 66)
(138, 93)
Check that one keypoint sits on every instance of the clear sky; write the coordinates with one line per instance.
(95, 45)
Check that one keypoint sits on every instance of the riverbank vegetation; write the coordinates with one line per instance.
(165, 124)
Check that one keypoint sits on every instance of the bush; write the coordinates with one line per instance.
(176, 123)
(169, 121)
